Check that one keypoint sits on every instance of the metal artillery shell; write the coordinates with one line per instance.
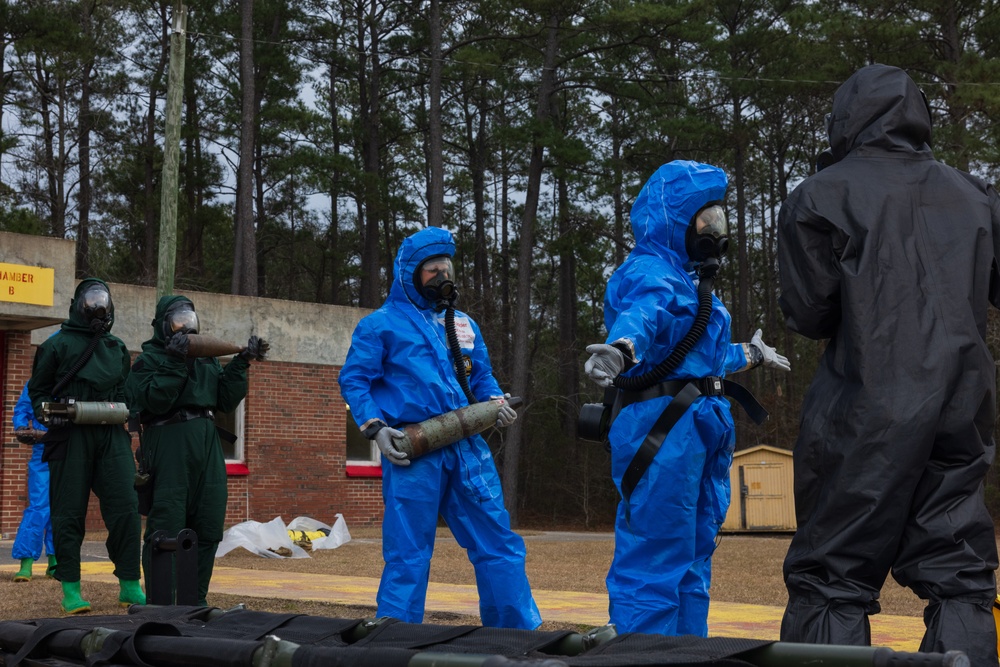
(448, 428)
(202, 345)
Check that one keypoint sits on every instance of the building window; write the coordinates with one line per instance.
(360, 450)
(231, 424)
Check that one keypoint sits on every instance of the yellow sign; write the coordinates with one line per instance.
(27, 284)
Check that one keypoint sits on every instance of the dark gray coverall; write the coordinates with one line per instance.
(893, 256)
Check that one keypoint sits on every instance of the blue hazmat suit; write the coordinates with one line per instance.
(399, 370)
(665, 534)
(35, 529)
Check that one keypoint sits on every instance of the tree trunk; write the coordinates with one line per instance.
(333, 231)
(435, 199)
(245, 259)
(57, 224)
(370, 92)
(475, 134)
(86, 126)
(521, 342)
(618, 188)
(569, 366)
(149, 207)
(194, 257)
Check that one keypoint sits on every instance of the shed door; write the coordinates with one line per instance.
(761, 496)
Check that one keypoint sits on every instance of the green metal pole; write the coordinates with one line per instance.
(789, 654)
(171, 154)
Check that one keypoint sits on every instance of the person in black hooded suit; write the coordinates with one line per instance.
(893, 257)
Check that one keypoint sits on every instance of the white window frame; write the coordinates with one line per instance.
(375, 459)
(239, 414)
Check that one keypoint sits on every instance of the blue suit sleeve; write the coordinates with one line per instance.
(362, 366)
(483, 383)
(736, 358)
(24, 415)
(643, 312)
(43, 376)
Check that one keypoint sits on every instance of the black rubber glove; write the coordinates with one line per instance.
(178, 344)
(256, 349)
(25, 435)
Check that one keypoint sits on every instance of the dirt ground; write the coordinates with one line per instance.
(747, 569)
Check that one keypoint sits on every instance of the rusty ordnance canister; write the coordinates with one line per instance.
(203, 345)
(449, 428)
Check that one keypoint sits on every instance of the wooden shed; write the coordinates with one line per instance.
(762, 491)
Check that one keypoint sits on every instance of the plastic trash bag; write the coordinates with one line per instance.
(335, 535)
(269, 539)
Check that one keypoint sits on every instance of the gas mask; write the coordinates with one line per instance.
(180, 318)
(706, 235)
(434, 280)
(95, 306)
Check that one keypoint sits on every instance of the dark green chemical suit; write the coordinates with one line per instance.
(180, 446)
(85, 457)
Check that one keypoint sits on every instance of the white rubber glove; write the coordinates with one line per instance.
(388, 448)
(769, 356)
(605, 363)
(507, 415)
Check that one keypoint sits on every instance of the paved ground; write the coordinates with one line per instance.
(725, 619)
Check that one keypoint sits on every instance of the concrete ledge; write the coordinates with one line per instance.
(299, 332)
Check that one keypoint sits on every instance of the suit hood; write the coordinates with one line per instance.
(77, 321)
(879, 106)
(166, 303)
(667, 202)
(428, 242)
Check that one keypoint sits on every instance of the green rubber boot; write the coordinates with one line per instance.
(50, 571)
(72, 603)
(130, 593)
(24, 574)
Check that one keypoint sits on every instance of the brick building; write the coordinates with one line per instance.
(298, 452)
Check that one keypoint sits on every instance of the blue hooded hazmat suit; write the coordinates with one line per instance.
(665, 536)
(36, 523)
(399, 370)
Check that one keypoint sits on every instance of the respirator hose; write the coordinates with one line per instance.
(456, 353)
(659, 373)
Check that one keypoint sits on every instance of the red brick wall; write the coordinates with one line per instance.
(296, 452)
(14, 456)
(294, 446)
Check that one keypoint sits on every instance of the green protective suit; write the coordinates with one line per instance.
(184, 457)
(88, 457)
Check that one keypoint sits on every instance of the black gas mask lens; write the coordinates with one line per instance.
(707, 234)
(95, 305)
(181, 319)
(435, 280)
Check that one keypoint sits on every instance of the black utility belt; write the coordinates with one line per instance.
(684, 393)
(181, 415)
(707, 386)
